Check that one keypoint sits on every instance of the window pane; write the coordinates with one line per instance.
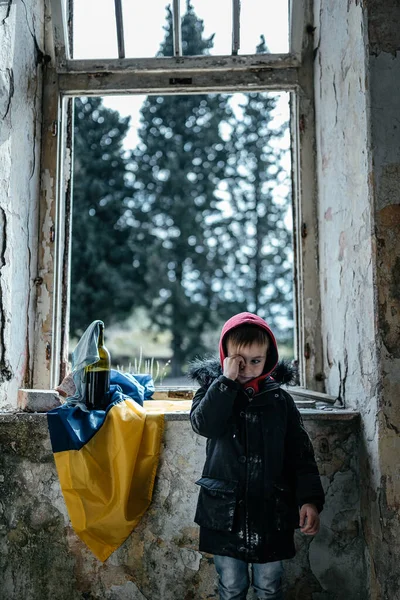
(181, 217)
(144, 24)
(95, 34)
(268, 18)
(217, 22)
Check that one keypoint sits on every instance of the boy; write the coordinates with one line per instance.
(260, 480)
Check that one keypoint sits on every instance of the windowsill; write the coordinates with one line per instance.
(311, 404)
(308, 414)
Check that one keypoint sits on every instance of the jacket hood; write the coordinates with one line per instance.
(246, 318)
(206, 370)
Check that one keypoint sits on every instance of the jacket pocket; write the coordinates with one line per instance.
(217, 503)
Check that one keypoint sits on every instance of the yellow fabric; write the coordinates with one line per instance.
(108, 484)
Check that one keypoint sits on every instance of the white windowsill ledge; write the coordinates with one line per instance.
(311, 404)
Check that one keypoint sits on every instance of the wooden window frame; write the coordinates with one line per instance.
(66, 78)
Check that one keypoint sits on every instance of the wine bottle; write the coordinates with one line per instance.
(97, 377)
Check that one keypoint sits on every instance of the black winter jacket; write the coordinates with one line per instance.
(260, 467)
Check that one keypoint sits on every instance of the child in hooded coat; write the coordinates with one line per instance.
(260, 481)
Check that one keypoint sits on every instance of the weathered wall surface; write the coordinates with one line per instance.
(357, 71)
(345, 222)
(21, 41)
(41, 558)
(383, 529)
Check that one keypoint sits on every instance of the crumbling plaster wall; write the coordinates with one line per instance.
(345, 222)
(383, 530)
(357, 70)
(21, 43)
(41, 558)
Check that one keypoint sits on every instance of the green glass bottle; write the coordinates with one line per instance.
(97, 377)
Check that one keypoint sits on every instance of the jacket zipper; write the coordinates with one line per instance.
(247, 536)
(270, 388)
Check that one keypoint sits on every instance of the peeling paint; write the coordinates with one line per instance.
(342, 245)
(6, 373)
(355, 2)
(20, 108)
(3, 239)
(342, 380)
(8, 9)
(10, 74)
(48, 188)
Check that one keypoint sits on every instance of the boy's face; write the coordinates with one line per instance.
(253, 358)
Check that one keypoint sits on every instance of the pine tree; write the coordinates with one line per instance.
(259, 277)
(102, 286)
(180, 162)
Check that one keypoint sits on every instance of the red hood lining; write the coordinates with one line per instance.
(247, 318)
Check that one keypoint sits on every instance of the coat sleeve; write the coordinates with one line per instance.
(212, 407)
(301, 460)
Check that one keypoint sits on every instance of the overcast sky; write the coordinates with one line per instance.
(95, 35)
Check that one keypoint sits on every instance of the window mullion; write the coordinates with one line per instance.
(299, 11)
(308, 298)
(176, 28)
(235, 26)
(60, 36)
(119, 22)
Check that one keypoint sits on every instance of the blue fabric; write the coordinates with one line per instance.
(72, 425)
(138, 387)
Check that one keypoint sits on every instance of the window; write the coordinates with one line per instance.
(181, 221)
(67, 77)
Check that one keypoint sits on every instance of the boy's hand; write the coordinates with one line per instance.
(309, 519)
(232, 365)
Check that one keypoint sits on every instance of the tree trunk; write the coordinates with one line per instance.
(177, 311)
(177, 354)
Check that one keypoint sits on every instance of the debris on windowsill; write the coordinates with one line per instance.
(173, 393)
(67, 387)
(32, 401)
(300, 394)
(305, 403)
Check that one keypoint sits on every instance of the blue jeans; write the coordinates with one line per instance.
(234, 579)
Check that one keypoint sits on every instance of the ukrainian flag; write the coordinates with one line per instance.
(106, 463)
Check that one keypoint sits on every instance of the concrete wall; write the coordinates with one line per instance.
(41, 558)
(383, 524)
(21, 44)
(357, 70)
